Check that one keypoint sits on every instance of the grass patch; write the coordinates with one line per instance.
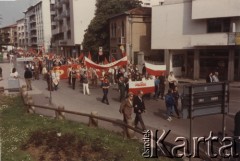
(28, 137)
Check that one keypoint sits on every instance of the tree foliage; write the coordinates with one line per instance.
(97, 33)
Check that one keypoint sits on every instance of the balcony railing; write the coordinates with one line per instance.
(53, 12)
(65, 14)
(216, 39)
(33, 28)
(64, 1)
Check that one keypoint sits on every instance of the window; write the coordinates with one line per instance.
(218, 25)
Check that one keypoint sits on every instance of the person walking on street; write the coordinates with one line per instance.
(105, 86)
(55, 79)
(85, 83)
(69, 75)
(28, 78)
(162, 83)
(169, 101)
(73, 77)
(49, 80)
(139, 108)
(172, 80)
(1, 77)
(156, 83)
(122, 88)
(176, 97)
(126, 108)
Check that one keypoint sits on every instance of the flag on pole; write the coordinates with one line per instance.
(156, 70)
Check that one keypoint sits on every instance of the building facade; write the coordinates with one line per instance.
(21, 33)
(70, 20)
(38, 26)
(198, 36)
(130, 33)
(9, 35)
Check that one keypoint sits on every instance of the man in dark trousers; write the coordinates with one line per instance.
(122, 88)
(73, 77)
(139, 108)
(28, 78)
(105, 86)
(162, 83)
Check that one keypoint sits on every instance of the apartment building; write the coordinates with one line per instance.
(9, 35)
(199, 36)
(130, 33)
(71, 19)
(21, 33)
(38, 26)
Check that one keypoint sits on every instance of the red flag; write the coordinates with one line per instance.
(80, 56)
(89, 56)
(106, 61)
(124, 54)
(113, 59)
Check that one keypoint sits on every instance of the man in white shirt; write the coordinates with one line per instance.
(55, 78)
(172, 80)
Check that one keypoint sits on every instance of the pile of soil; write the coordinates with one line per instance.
(54, 146)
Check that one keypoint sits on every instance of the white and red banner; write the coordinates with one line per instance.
(146, 86)
(90, 64)
(155, 70)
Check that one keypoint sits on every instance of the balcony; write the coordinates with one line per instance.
(211, 39)
(55, 31)
(57, 18)
(34, 42)
(62, 42)
(32, 21)
(32, 14)
(53, 13)
(33, 28)
(65, 14)
(64, 1)
(33, 35)
(58, 6)
(54, 23)
(216, 39)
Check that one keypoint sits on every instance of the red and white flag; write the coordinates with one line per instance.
(90, 64)
(155, 70)
(146, 86)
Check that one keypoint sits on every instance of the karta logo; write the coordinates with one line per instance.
(229, 146)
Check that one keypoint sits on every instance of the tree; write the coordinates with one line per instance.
(97, 33)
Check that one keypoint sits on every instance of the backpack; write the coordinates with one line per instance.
(169, 100)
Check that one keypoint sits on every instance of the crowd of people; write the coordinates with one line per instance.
(117, 75)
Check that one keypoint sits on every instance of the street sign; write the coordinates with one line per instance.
(205, 99)
(25, 59)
